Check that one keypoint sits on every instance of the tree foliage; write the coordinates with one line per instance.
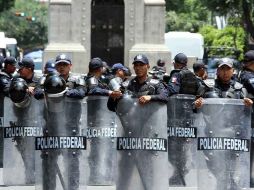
(229, 37)
(186, 15)
(6, 4)
(242, 9)
(29, 34)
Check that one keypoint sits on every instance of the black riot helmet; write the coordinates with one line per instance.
(54, 84)
(18, 90)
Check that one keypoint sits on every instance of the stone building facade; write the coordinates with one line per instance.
(115, 30)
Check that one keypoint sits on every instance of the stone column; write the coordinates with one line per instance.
(65, 32)
(152, 44)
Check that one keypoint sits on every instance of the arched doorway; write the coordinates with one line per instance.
(107, 30)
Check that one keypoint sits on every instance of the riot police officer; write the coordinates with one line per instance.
(26, 71)
(76, 85)
(49, 66)
(158, 71)
(182, 80)
(224, 86)
(6, 74)
(246, 77)
(247, 74)
(5, 78)
(93, 82)
(142, 86)
(200, 71)
(120, 73)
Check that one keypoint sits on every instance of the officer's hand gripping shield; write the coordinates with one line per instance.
(224, 145)
(101, 134)
(60, 153)
(182, 141)
(23, 122)
(142, 145)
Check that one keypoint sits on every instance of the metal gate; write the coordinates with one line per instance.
(107, 32)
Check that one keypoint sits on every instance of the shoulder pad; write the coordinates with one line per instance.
(251, 80)
(42, 80)
(72, 78)
(4, 80)
(125, 83)
(81, 81)
(174, 71)
(154, 81)
(4, 74)
(238, 86)
(37, 77)
(209, 83)
(92, 81)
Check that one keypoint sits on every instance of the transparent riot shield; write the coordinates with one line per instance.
(182, 141)
(142, 145)
(224, 145)
(22, 123)
(1, 128)
(60, 153)
(101, 134)
(252, 149)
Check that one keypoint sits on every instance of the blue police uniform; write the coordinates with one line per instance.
(151, 87)
(96, 86)
(233, 89)
(5, 78)
(247, 79)
(183, 81)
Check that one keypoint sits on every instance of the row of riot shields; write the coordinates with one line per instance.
(209, 149)
(67, 144)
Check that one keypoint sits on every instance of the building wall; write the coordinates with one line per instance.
(70, 31)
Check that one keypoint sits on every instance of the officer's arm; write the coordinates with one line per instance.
(174, 84)
(78, 92)
(161, 93)
(96, 90)
(249, 85)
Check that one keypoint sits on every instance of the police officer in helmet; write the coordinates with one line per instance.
(6, 74)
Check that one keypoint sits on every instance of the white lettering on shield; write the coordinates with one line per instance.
(153, 144)
(223, 143)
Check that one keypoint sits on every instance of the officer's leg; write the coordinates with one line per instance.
(71, 159)
(49, 170)
(178, 161)
(125, 170)
(24, 146)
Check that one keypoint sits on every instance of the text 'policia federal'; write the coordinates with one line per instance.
(153, 144)
(182, 132)
(44, 143)
(21, 131)
(223, 143)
